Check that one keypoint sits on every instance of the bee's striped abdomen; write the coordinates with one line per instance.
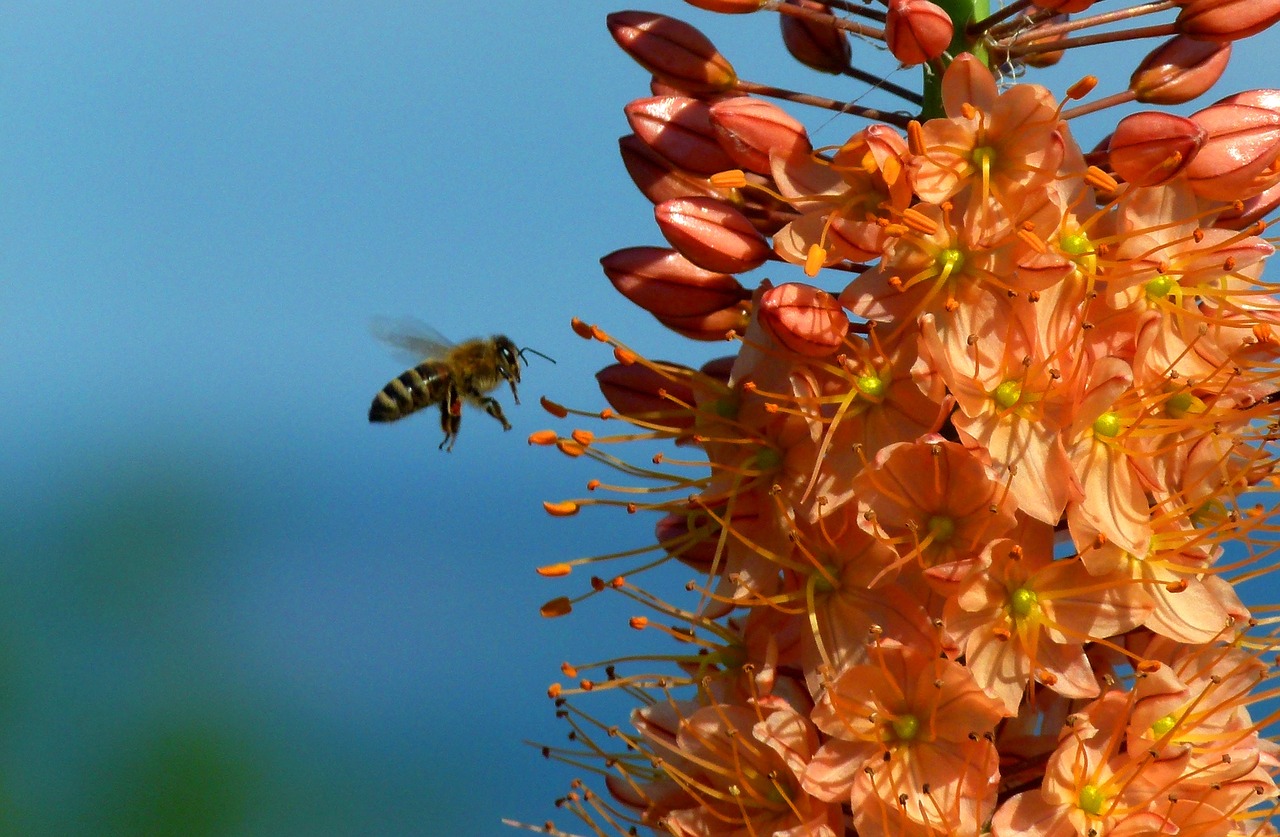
(410, 391)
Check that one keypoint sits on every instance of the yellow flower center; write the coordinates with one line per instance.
(1163, 725)
(870, 385)
(941, 528)
(1024, 602)
(949, 262)
(1008, 394)
(1108, 424)
(1075, 244)
(1091, 799)
(1181, 404)
(1160, 287)
(983, 158)
(906, 727)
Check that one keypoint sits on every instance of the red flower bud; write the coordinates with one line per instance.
(917, 31)
(712, 234)
(806, 320)
(1251, 211)
(679, 128)
(751, 130)
(672, 50)
(657, 177)
(1045, 58)
(665, 283)
(823, 48)
(1150, 148)
(1179, 70)
(1225, 20)
(1262, 97)
(636, 390)
(711, 327)
(1238, 160)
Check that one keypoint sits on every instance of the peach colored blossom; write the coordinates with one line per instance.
(934, 502)
(1025, 616)
(911, 729)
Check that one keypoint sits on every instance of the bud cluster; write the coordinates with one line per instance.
(974, 493)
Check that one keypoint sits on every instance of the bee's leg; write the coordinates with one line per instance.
(450, 418)
(493, 408)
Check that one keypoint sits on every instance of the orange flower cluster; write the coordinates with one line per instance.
(969, 521)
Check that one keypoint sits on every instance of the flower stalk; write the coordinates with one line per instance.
(971, 505)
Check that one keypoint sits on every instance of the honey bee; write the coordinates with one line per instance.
(448, 375)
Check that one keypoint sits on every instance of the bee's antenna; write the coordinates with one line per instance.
(536, 352)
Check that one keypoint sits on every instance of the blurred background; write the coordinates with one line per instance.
(230, 605)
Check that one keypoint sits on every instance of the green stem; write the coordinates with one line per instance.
(963, 13)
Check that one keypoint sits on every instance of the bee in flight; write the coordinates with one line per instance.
(448, 375)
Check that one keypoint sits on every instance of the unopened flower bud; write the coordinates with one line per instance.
(1225, 20)
(712, 234)
(711, 327)
(752, 130)
(679, 128)
(1263, 97)
(657, 177)
(917, 31)
(1250, 211)
(805, 319)
(1179, 70)
(672, 50)
(1041, 57)
(728, 7)
(637, 390)
(1238, 160)
(823, 48)
(1150, 148)
(665, 283)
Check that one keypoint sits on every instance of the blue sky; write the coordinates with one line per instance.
(203, 206)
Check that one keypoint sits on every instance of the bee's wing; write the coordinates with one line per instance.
(411, 338)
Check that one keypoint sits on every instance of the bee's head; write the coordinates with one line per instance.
(509, 357)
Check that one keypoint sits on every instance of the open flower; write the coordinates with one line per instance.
(909, 732)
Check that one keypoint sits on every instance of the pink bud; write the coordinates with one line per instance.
(917, 31)
(679, 128)
(712, 234)
(711, 327)
(1238, 160)
(1251, 210)
(1150, 148)
(805, 319)
(1262, 97)
(665, 283)
(657, 177)
(636, 390)
(1225, 20)
(1043, 57)
(1179, 70)
(672, 50)
(823, 48)
(752, 130)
